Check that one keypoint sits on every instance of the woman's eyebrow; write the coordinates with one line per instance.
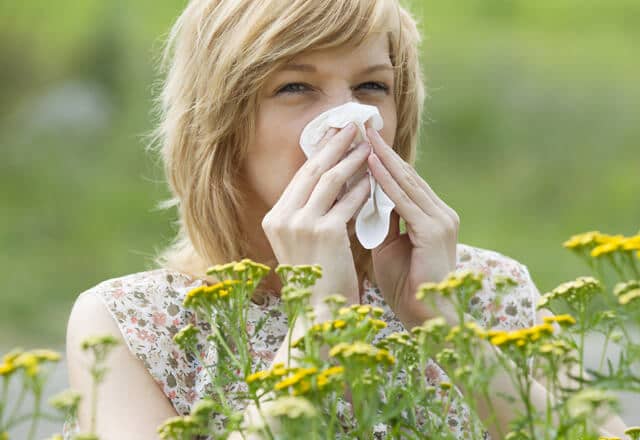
(311, 68)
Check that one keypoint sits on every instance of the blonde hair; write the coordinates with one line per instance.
(218, 55)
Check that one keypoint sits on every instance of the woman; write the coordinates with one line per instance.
(244, 78)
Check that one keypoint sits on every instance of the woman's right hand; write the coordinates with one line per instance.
(305, 226)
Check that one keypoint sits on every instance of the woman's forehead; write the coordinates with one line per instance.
(372, 52)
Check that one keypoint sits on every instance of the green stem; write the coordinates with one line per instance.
(266, 425)
(21, 418)
(604, 351)
(3, 400)
(36, 416)
(23, 392)
(617, 269)
(633, 264)
(218, 336)
(94, 403)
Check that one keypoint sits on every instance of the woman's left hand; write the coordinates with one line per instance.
(426, 252)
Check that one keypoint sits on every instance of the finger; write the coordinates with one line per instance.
(307, 176)
(407, 177)
(323, 141)
(347, 207)
(332, 182)
(405, 206)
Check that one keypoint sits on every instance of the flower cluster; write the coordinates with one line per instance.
(451, 284)
(296, 381)
(521, 338)
(362, 352)
(627, 292)
(246, 269)
(205, 296)
(574, 292)
(27, 361)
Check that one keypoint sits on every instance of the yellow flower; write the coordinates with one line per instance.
(609, 244)
(632, 243)
(29, 362)
(339, 323)
(239, 267)
(298, 375)
(258, 375)
(520, 338)
(362, 351)
(563, 320)
(585, 239)
(6, 368)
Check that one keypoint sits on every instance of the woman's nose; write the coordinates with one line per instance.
(340, 100)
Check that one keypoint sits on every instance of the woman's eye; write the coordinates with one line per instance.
(301, 88)
(374, 86)
(293, 88)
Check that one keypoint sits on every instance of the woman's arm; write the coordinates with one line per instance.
(130, 405)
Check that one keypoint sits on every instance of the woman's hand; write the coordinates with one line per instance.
(306, 227)
(427, 251)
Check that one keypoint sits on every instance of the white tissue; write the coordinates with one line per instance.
(372, 221)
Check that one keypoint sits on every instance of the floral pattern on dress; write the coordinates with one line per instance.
(147, 306)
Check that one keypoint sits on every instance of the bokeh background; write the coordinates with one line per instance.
(531, 134)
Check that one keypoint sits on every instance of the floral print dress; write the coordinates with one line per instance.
(147, 307)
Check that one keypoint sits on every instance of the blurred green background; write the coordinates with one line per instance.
(531, 134)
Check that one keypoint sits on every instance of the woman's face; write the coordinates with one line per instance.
(312, 83)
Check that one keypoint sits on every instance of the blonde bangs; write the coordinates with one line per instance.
(325, 24)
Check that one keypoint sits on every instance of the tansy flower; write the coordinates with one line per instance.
(362, 351)
(562, 320)
(583, 240)
(584, 402)
(257, 376)
(609, 244)
(187, 337)
(471, 328)
(291, 407)
(556, 348)
(29, 362)
(335, 299)
(572, 291)
(632, 243)
(453, 282)
(633, 432)
(629, 296)
(176, 427)
(67, 401)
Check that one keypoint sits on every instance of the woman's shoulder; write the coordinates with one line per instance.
(490, 263)
(497, 304)
(147, 308)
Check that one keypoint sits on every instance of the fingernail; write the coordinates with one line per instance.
(351, 126)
